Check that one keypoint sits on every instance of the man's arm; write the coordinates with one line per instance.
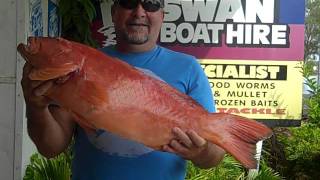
(49, 126)
(211, 156)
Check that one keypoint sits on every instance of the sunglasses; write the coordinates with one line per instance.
(148, 5)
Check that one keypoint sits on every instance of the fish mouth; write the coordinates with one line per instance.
(32, 47)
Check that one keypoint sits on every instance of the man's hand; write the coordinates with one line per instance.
(33, 91)
(49, 126)
(188, 145)
(191, 146)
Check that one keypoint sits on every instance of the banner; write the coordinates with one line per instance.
(53, 19)
(256, 89)
(235, 29)
(36, 18)
(43, 18)
(251, 50)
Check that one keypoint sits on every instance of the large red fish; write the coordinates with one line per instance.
(106, 93)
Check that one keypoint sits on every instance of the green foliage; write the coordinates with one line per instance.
(312, 28)
(313, 102)
(77, 16)
(41, 168)
(228, 169)
(231, 169)
(307, 69)
(302, 149)
(302, 143)
(264, 173)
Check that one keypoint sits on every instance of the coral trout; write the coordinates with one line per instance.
(106, 93)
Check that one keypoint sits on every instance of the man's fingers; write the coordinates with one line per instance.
(168, 149)
(196, 139)
(182, 137)
(178, 147)
(25, 81)
(26, 69)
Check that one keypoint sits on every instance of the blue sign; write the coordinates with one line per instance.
(36, 18)
(53, 20)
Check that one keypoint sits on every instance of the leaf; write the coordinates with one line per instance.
(64, 7)
(40, 168)
(90, 9)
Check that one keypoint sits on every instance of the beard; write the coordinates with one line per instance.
(139, 36)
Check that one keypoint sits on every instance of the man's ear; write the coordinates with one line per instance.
(162, 14)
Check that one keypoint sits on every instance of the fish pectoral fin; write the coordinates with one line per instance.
(84, 124)
(51, 73)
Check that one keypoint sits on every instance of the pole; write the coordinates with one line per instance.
(258, 157)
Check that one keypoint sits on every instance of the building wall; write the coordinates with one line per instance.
(7, 86)
(15, 145)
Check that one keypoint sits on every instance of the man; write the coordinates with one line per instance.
(108, 156)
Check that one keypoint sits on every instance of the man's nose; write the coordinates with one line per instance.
(139, 11)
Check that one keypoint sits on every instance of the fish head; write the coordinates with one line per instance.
(51, 58)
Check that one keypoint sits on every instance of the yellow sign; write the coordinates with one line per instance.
(256, 89)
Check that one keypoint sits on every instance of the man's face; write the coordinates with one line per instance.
(136, 25)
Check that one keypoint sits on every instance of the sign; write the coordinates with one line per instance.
(43, 18)
(251, 50)
(36, 18)
(256, 89)
(53, 19)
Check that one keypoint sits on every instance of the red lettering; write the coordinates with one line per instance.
(233, 110)
(281, 111)
(258, 111)
(222, 110)
(268, 111)
(251, 111)
(245, 111)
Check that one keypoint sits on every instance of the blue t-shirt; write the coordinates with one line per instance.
(105, 156)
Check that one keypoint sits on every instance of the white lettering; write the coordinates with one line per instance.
(215, 28)
(172, 10)
(194, 8)
(260, 34)
(238, 33)
(201, 33)
(185, 33)
(248, 33)
(230, 9)
(264, 11)
(168, 33)
(279, 34)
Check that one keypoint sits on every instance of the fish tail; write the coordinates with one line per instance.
(236, 135)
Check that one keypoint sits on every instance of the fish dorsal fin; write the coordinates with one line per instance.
(149, 73)
(51, 72)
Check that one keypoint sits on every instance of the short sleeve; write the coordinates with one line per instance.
(199, 87)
